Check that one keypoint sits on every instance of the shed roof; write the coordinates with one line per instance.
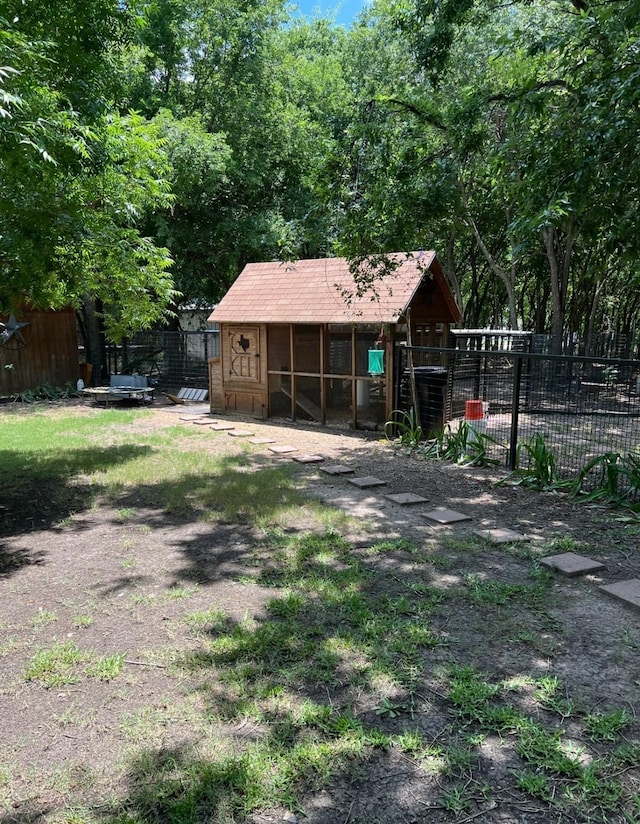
(325, 291)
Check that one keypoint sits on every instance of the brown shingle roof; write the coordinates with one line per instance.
(320, 291)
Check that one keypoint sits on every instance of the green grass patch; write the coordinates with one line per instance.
(65, 663)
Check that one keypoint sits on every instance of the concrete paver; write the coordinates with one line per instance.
(446, 516)
(406, 498)
(337, 469)
(571, 564)
(366, 481)
(626, 591)
(282, 450)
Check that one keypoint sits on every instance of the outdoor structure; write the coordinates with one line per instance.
(36, 348)
(311, 340)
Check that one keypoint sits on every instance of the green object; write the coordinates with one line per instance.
(376, 361)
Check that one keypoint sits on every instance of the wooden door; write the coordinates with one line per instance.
(244, 355)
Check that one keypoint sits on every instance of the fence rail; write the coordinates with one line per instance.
(582, 407)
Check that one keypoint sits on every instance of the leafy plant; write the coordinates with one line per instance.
(539, 470)
(464, 445)
(390, 709)
(613, 479)
(45, 392)
(404, 428)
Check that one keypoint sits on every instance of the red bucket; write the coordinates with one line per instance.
(473, 411)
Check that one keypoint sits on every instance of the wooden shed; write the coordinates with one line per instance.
(304, 340)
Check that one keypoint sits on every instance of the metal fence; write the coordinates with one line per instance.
(582, 407)
(171, 360)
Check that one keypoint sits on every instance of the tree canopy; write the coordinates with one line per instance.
(149, 150)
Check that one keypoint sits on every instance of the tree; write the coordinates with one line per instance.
(76, 179)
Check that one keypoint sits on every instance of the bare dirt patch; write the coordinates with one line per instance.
(122, 578)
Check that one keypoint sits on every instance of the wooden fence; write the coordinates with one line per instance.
(45, 351)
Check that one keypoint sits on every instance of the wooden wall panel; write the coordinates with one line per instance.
(50, 353)
(216, 388)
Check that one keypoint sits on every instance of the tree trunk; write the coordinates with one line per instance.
(94, 341)
(508, 278)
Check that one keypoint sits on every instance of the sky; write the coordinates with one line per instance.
(342, 11)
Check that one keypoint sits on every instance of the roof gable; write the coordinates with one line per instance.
(325, 291)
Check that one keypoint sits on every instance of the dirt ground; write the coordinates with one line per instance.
(60, 746)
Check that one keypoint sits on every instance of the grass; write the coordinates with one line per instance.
(350, 662)
(65, 663)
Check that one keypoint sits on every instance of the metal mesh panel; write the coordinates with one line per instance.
(171, 360)
(581, 407)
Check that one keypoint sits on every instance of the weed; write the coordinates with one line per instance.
(211, 620)
(535, 783)
(550, 696)
(139, 598)
(390, 709)
(8, 645)
(544, 749)
(44, 617)
(106, 668)
(607, 726)
(458, 760)
(500, 593)
(179, 591)
(56, 666)
(82, 621)
(456, 799)
(125, 514)
(128, 563)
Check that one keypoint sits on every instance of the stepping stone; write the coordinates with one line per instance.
(626, 591)
(571, 564)
(189, 418)
(366, 481)
(282, 450)
(406, 498)
(337, 469)
(240, 433)
(223, 427)
(204, 422)
(260, 441)
(446, 516)
(501, 535)
(308, 459)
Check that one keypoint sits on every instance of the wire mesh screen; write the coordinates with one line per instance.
(171, 360)
(580, 407)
